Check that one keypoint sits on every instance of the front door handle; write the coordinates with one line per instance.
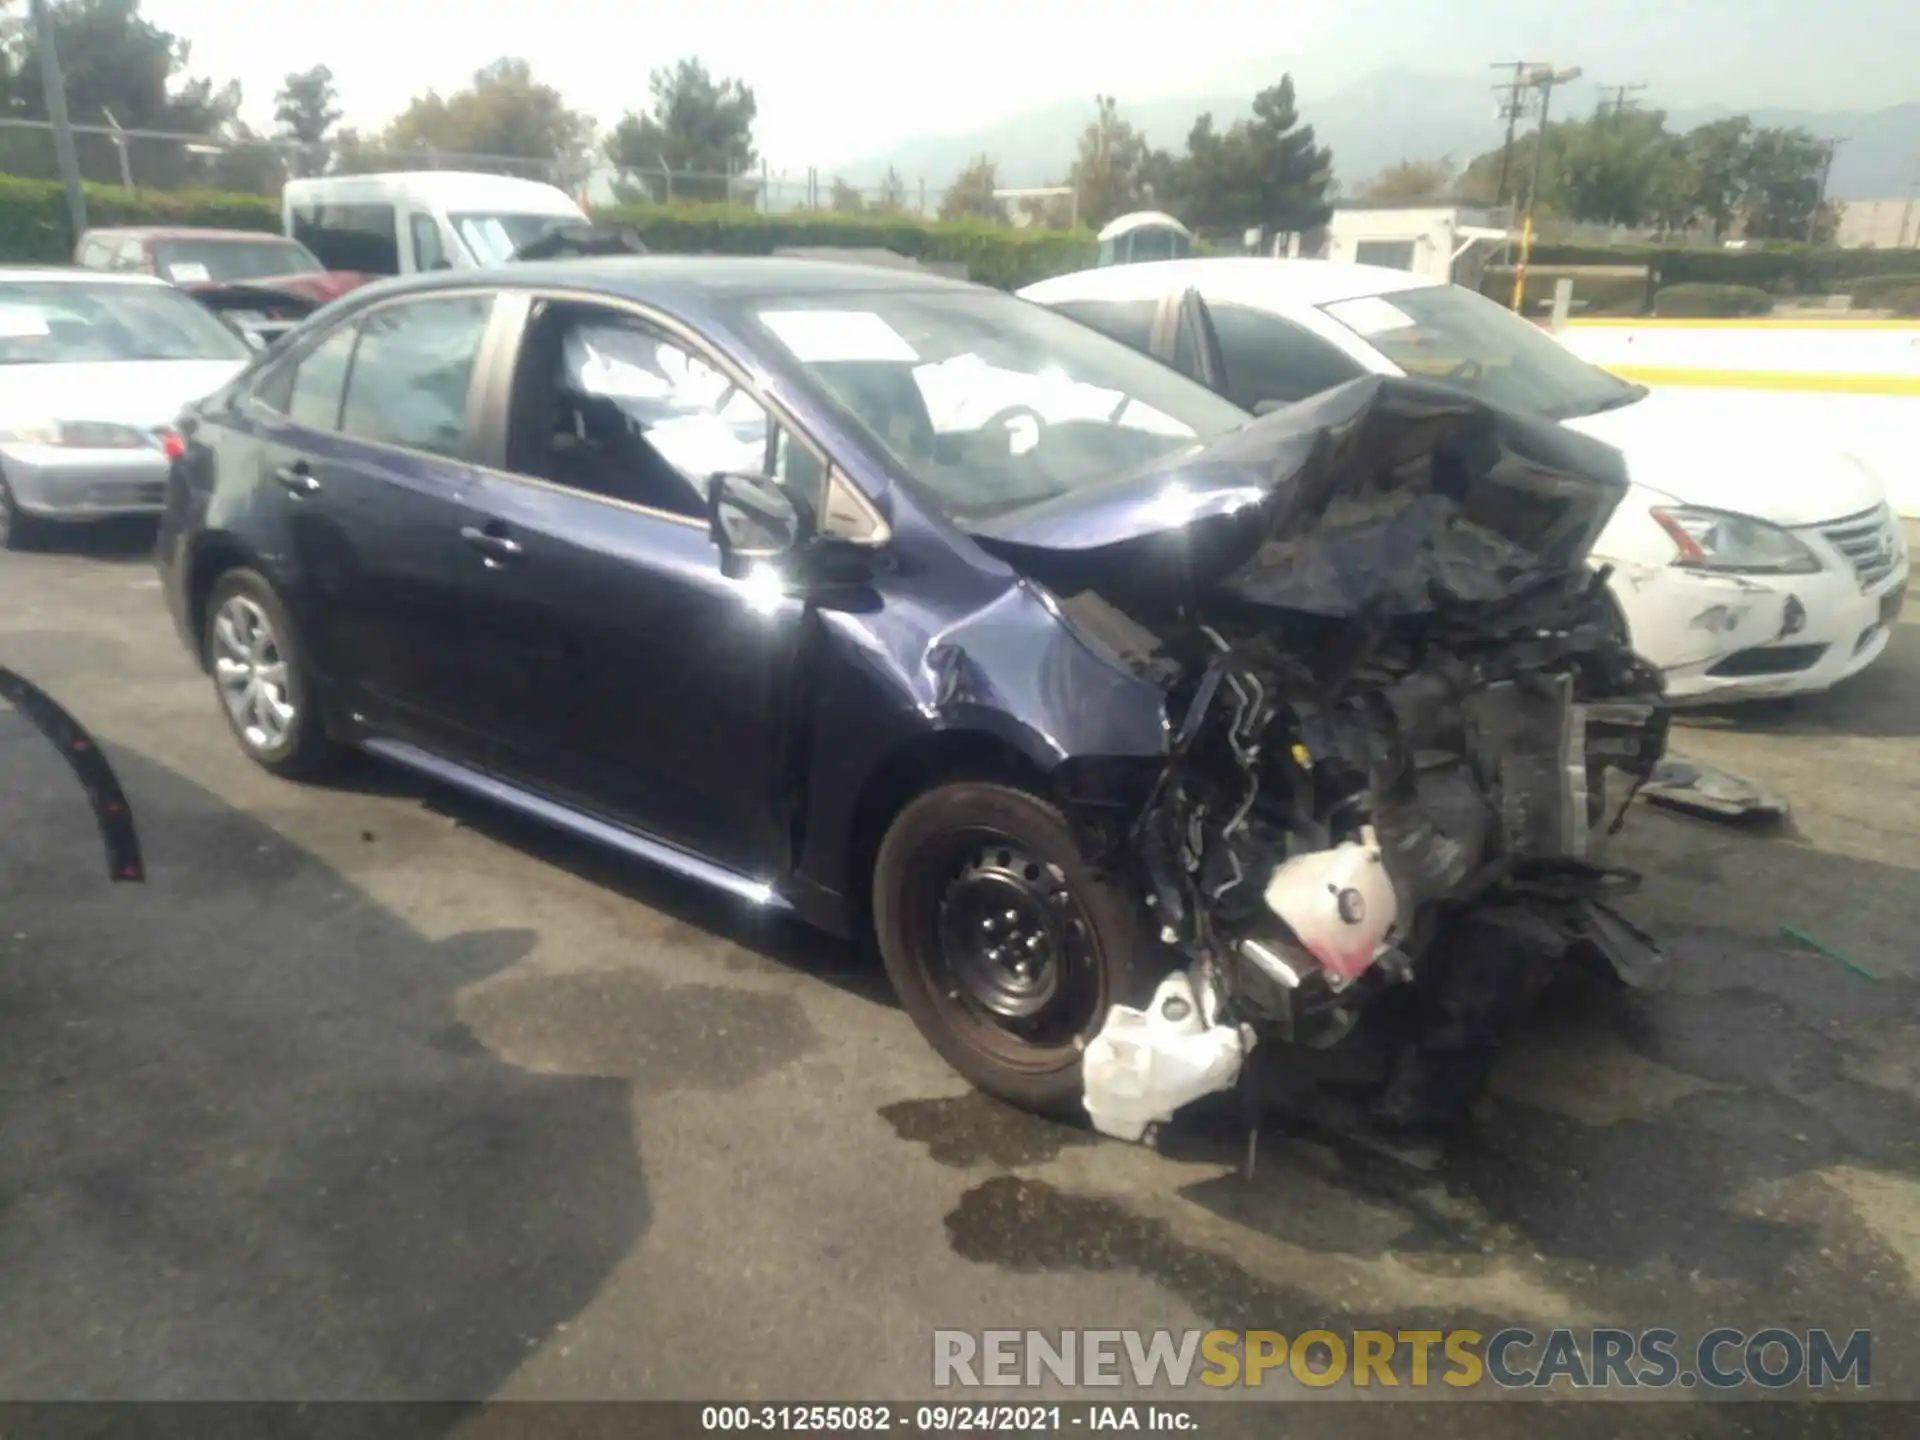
(498, 548)
(297, 478)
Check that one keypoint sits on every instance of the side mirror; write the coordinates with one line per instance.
(751, 519)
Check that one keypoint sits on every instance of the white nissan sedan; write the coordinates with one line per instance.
(1746, 565)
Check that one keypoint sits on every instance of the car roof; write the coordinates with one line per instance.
(181, 232)
(77, 275)
(1253, 280)
(684, 283)
(444, 187)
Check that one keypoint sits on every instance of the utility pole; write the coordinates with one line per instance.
(1820, 194)
(1512, 106)
(1620, 93)
(1544, 77)
(55, 85)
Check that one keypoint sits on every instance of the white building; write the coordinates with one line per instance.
(1439, 242)
(1880, 224)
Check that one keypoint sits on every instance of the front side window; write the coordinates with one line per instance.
(1447, 333)
(411, 372)
(428, 253)
(88, 321)
(987, 402)
(1269, 358)
(613, 407)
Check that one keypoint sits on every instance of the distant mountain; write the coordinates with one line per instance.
(1376, 122)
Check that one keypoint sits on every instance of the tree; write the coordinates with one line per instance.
(505, 114)
(306, 109)
(1109, 170)
(113, 60)
(971, 196)
(699, 128)
(250, 165)
(1265, 171)
(1622, 168)
(892, 199)
(845, 199)
(1411, 181)
(1784, 170)
(1717, 153)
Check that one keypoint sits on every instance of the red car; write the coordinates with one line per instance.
(264, 284)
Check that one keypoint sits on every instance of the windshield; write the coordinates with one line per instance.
(72, 322)
(494, 239)
(194, 262)
(1444, 332)
(988, 402)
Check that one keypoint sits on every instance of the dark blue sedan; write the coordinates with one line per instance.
(921, 611)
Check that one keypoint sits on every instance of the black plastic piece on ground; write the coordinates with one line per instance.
(84, 758)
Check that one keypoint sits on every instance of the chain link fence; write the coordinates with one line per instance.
(164, 160)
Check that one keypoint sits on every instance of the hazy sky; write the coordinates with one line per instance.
(839, 79)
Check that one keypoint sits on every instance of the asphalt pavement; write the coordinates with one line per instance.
(370, 1092)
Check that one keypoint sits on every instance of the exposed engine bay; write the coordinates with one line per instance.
(1404, 721)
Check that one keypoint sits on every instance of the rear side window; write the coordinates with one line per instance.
(1273, 359)
(412, 370)
(350, 237)
(1128, 321)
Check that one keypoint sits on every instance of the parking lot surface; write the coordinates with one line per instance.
(373, 1092)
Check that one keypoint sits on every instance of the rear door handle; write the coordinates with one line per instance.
(297, 478)
(498, 548)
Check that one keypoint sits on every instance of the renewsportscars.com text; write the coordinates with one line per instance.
(1772, 1358)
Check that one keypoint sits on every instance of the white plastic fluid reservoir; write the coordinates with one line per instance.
(1146, 1064)
(1339, 903)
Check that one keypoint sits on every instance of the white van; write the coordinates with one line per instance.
(401, 224)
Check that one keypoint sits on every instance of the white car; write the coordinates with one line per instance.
(1746, 565)
(93, 369)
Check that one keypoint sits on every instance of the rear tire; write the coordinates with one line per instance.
(18, 530)
(1005, 947)
(262, 677)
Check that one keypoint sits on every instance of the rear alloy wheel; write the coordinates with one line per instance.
(261, 676)
(1002, 944)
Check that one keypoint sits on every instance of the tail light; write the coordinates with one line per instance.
(172, 445)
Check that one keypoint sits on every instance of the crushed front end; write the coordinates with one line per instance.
(1404, 719)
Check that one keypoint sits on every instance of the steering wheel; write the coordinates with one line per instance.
(1003, 418)
(1467, 372)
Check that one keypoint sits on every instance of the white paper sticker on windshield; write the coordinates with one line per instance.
(1370, 315)
(19, 322)
(188, 272)
(821, 336)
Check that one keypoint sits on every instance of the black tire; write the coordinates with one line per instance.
(948, 852)
(18, 530)
(303, 749)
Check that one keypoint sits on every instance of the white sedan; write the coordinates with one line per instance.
(1746, 565)
(93, 369)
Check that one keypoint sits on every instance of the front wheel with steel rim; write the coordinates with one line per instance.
(261, 676)
(1004, 946)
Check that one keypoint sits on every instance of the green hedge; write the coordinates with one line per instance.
(1592, 294)
(1873, 293)
(33, 215)
(34, 230)
(1903, 302)
(1777, 269)
(1713, 302)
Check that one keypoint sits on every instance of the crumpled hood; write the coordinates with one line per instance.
(315, 287)
(1681, 443)
(1390, 495)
